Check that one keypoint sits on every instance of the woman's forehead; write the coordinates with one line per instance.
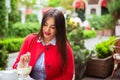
(49, 19)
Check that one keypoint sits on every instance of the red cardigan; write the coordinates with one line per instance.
(53, 63)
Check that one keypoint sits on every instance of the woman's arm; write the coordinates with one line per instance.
(23, 50)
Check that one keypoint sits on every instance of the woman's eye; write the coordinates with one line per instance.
(53, 26)
(45, 24)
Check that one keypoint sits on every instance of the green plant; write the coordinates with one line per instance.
(3, 15)
(107, 21)
(81, 54)
(27, 3)
(71, 24)
(77, 42)
(114, 8)
(67, 4)
(76, 38)
(54, 3)
(89, 34)
(13, 17)
(3, 59)
(21, 30)
(31, 18)
(103, 48)
(95, 22)
(11, 44)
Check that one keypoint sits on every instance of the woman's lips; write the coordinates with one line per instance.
(46, 33)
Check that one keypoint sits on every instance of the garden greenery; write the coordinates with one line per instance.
(3, 15)
(103, 48)
(11, 44)
(22, 30)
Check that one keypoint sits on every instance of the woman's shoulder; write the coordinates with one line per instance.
(30, 36)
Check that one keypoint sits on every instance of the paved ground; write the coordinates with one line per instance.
(89, 43)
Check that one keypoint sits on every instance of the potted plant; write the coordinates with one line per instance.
(102, 64)
(95, 22)
(107, 22)
(114, 10)
(81, 54)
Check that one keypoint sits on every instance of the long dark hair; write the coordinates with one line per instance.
(61, 38)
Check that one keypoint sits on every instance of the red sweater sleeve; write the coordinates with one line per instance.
(67, 73)
(23, 49)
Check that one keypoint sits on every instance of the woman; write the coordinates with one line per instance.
(48, 52)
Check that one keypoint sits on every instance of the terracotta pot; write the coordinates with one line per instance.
(108, 32)
(99, 33)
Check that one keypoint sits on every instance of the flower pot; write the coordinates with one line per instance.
(108, 32)
(100, 67)
(79, 70)
(99, 33)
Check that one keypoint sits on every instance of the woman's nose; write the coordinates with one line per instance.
(47, 28)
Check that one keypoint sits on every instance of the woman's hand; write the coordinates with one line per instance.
(24, 60)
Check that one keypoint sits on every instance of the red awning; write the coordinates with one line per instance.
(79, 4)
(104, 3)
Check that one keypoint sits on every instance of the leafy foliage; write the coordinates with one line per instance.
(95, 22)
(71, 25)
(28, 3)
(107, 21)
(89, 34)
(3, 15)
(11, 44)
(102, 22)
(114, 8)
(3, 59)
(103, 48)
(82, 55)
(22, 30)
(31, 18)
(14, 17)
(67, 4)
(54, 3)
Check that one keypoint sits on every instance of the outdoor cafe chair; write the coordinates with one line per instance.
(115, 54)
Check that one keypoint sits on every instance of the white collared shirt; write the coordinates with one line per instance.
(53, 41)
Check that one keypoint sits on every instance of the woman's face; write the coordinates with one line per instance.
(49, 29)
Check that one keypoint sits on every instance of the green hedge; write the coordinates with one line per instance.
(89, 34)
(31, 18)
(3, 59)
(102, 22)
(11, 44)
(22, 30)
(3, 15)
(6, 46)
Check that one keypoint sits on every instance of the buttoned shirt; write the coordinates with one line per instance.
(38, 72)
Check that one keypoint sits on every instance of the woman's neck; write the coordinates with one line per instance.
(46, 41)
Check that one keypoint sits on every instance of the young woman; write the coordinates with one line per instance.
(48, 52)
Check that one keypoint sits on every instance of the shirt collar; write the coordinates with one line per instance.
(53, 41)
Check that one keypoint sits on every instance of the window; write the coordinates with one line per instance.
(93, 11)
